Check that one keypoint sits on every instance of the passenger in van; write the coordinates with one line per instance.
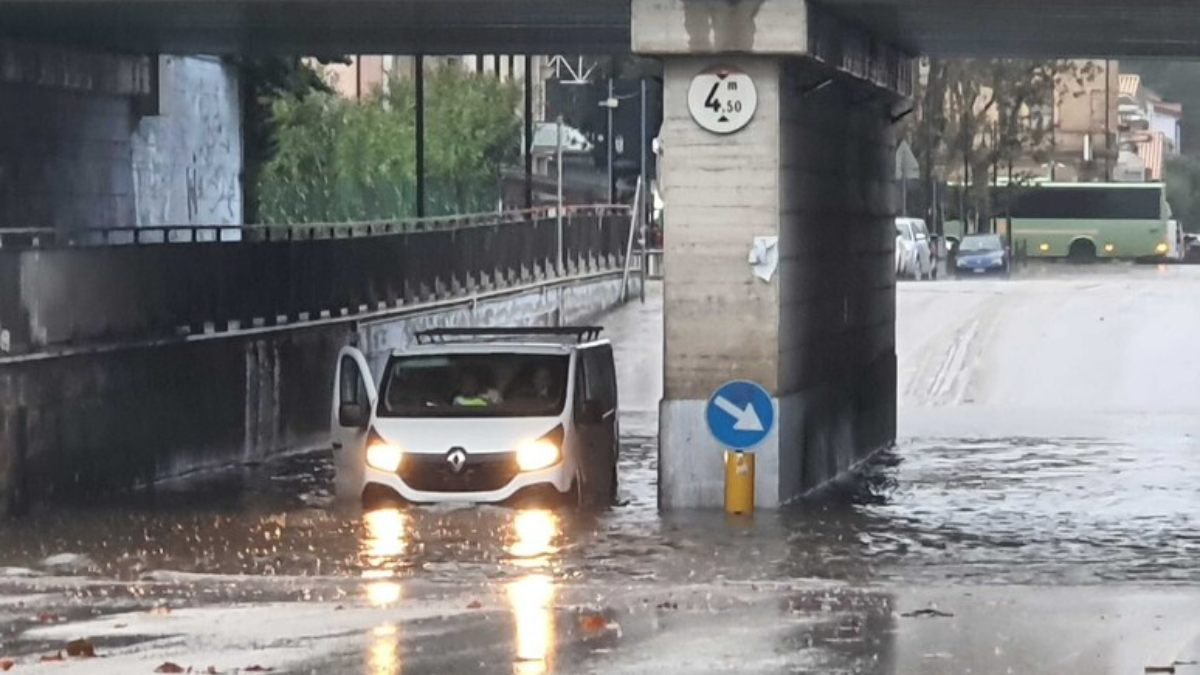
(537, 388)
(472, 394)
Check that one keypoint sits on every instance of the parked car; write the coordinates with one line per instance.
(480, 416)
(1191, 245)
(981, 254)
(914, 254)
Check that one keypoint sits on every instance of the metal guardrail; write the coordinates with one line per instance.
(207, 234)
(76, 292)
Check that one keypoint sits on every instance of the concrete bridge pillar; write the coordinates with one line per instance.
(813, 169)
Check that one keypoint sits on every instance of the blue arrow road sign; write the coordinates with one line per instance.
(740, 414)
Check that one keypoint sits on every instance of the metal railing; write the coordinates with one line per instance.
(80, 290)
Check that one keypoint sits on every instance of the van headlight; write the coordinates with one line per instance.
(384, 456)
(538, 455)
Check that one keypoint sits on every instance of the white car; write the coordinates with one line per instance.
(914, 257)
(481, 416)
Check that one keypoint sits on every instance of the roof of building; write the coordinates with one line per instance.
(1166, 108)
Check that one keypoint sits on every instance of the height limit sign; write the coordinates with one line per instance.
(722, 100)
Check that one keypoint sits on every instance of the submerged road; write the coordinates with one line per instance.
(1041, 514)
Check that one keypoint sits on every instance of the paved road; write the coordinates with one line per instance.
(1028, 522)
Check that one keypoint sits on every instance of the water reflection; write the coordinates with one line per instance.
(385, 537)
(384, 655)
(532, 600)
(384, 541)
(534, 534)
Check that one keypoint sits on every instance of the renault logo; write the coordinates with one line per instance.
(457, 459)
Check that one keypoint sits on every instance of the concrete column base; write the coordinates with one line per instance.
(691, 466)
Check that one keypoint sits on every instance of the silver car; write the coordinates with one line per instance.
(914, 256)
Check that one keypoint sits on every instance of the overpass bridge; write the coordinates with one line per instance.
(1075, 28)
(810, 170)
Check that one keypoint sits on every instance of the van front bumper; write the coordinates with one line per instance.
(556, 478)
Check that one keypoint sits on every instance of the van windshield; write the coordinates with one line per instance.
(475, 385)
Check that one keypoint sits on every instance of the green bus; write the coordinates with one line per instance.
(1083, 221)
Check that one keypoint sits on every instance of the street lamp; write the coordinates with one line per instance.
(611, 104)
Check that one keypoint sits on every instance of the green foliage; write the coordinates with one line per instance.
(264, 81)
(338, 160)
(1183, 190)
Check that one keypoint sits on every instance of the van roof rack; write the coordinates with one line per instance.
(579, 334)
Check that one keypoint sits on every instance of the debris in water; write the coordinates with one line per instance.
(475, 604)
(168, 667)
(928, 612)
(6, 664)
(81, 649)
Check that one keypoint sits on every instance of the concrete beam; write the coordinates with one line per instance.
(74, 69)
(770, 28)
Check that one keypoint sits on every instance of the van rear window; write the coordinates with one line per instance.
(475, 385)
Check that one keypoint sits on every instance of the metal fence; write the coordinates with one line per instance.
(113, 285)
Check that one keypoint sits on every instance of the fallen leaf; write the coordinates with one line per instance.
(475, 604)
(258, 669)
(6, 664)
(52, 657)
(593, 623)
(168, 667)
(81, 648)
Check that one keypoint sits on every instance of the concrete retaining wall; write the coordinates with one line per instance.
(109, 420)
(96, 140)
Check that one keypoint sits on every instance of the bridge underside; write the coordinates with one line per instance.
(944, 27)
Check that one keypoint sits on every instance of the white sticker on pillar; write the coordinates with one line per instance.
(722, 99)
(764, 257)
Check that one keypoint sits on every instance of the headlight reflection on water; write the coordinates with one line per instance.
(384, 541)
(384, 656)
(534, 533)
(532, 600)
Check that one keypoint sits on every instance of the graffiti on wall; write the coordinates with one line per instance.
(187, 160)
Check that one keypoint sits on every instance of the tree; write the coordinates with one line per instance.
(263, 82)
(1183, 190)
(338, 160)
(978, 116)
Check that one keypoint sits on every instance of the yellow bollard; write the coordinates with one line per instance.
(739, 482)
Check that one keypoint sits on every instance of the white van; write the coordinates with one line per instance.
(483, 416)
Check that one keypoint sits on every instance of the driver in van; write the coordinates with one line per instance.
(472, 394)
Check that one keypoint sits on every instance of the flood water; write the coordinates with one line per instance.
(993, 511)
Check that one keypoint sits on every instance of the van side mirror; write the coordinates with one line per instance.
(353, 416)
(591, 413)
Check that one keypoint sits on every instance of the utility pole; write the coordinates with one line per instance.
(558, 153)
(611, 104)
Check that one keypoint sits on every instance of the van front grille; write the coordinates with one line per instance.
(479, 473)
